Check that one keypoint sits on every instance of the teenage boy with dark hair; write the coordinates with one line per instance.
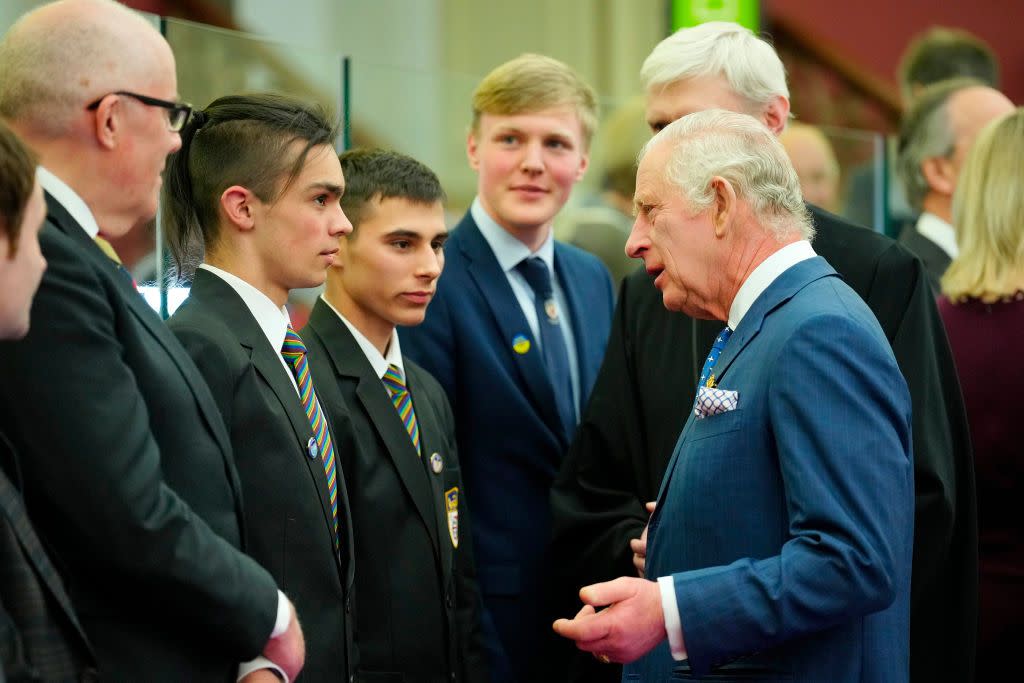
(418, 615)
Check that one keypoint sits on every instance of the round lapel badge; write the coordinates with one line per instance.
(436, 463)
(551, 309)
(520, 344)
(312, 448)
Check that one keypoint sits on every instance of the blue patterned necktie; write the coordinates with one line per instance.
(552, 342)
(294, 353)
(709, 362)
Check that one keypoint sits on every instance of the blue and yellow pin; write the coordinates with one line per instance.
(520, 344)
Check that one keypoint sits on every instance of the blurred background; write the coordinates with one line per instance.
(400, 73)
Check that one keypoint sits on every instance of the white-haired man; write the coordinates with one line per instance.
(127, 467)
(801, 412)
(935, 137)
(632, 422)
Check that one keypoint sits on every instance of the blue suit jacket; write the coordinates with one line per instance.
(787, 523)
(507, 426)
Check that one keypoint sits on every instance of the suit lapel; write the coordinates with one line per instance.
(508, 315)
(350, 364)
(778, 293)
(217, 296)
(149, 319)
(431, 442)
(569, 278)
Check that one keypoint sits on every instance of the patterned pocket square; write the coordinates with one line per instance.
(712, 401)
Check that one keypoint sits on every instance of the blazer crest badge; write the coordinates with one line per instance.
(451, 504)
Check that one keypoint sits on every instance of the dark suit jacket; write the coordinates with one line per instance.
(786, 524)
(935, 260)
(288, 510)
(128, 475)
(40, 637)
(627, 434)
(508, 430)
(418, 613)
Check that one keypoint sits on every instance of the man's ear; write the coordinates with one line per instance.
(724, 205)
(474, 160)
(109, 121)
(938, 173)
(776, 114)
(584, 164)
(239, 206)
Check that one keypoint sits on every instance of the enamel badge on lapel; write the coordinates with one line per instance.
(451, 504)
(436, 463)
(520, 344)
(312, 448)
(552, 311)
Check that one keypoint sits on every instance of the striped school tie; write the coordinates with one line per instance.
(294, 352)
(403, 403)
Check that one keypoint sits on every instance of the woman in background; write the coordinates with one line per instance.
(982, 305)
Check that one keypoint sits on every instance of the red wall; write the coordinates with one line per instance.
(874, 33)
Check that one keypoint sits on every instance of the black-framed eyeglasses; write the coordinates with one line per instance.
(177, 112)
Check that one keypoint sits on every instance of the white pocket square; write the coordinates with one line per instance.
(712, 401)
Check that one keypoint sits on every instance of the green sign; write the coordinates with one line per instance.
(692, 12)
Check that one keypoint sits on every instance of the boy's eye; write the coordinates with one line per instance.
(321, 199)
(401, 244)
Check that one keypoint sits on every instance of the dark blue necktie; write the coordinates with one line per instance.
(716, 351)
(556, 356)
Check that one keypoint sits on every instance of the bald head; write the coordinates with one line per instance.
(815, 163)
(60, 57)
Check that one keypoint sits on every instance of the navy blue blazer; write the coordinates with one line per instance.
(786, 524)
(507, 426)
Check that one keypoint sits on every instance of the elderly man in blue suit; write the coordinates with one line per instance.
(780, 547)
(515, 336)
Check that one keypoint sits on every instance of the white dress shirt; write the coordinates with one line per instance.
(69, 199)
(378, 362)
(938, 231)
(510, 251)
(755, 284)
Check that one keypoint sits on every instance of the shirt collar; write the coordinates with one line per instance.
(764, 275)
(378, 362)
(272, 320)
(507, 249)
(938, 231)
(69, 199)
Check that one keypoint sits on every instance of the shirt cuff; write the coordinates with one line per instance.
(284, 616)
(673, 626)
(247, 668)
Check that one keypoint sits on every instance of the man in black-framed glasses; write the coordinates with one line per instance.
(177, 112)
(128, 472)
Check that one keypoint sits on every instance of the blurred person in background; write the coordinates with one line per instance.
(815, 163)
(935, 137)
(982, 305)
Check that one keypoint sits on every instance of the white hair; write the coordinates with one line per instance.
(718, 48)
(57, 58)
(740, 149)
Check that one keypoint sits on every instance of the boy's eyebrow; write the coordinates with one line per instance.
(413, 234)
(332, 188)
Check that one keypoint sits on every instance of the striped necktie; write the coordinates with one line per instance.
(108, 249)
(294, 353)
(403, 403)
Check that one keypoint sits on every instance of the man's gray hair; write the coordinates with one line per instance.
(926, 133)
(740, 149)
(718, 48)
(51, 69)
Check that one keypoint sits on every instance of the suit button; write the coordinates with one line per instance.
(348, 605)
(450, 602)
